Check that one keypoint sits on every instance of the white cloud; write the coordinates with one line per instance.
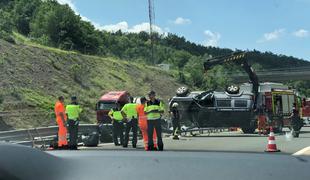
(181, 21)
(212, 38)
(276, 34)
(301, 33)
(70, 3)
(145, 27)
(124, 27)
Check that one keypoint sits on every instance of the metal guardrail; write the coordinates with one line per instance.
(28, 136)
(45, 135)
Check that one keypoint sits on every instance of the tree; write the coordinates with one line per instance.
(180, 58)
(6, 26)
(23, 14)
(194, 67)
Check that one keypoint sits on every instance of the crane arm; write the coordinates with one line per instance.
(240, 59)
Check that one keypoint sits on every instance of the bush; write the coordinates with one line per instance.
(7, 37)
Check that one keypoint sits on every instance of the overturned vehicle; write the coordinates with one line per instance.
(236, 106)
(216, 109)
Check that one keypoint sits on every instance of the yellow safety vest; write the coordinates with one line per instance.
(130, 110)
(117, 115)
(73, 111)
(152, 109)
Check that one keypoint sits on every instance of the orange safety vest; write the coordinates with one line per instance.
(141, 115)
(59, 107)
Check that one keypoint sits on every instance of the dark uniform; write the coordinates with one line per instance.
(153, 109)
(175, 116)
(296, 123)
(73, 111)
(118, 126)
(130, 112)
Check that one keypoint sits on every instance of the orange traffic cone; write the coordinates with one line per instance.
(271, 147)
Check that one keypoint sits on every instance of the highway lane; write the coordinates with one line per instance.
(225, 141)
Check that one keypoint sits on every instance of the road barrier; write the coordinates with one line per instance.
(41, 135)
(45, 135)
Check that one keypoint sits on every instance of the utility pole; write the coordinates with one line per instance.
(152, 22)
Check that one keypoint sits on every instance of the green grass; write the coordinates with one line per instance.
(37, 99)
(23, 39)
(41, 74)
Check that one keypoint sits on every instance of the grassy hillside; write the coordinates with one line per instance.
(34, 72)
(32, 77)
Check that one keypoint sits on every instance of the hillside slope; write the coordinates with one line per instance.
(33, 77)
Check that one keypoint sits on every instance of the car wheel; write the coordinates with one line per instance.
(233, 89)
(182, 91)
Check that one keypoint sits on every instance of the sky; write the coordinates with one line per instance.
(278, 26)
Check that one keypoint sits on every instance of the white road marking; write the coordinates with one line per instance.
(304, 151)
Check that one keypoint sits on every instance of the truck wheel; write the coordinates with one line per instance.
(105, 134)
(248, 130)
(279, 128)
(182, 91)
(233, 89)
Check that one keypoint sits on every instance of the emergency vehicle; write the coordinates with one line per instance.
(305, 111)
(107, 102)
(237, 106)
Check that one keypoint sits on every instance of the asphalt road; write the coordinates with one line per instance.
(226, 142)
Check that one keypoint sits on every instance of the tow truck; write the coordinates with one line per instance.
(237, 106)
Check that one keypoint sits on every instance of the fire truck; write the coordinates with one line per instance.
(277, 100)
(305, 111)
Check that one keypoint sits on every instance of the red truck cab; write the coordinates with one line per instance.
(305, 111)
(107, 102)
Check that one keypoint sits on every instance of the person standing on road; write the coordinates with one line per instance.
(129, 113)
(118, 125)
(175, 116)
(61, 119)
(73, 111)
(143, 124)
(154, 110)
(296, 122)
(262, 122)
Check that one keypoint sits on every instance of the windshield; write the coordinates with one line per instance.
(185, 75)
(106, 105)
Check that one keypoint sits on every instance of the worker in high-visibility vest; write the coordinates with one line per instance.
(129, 112)
(61, 119)
(118, 125)
(154, 110)
(142, 121)
(73, 111)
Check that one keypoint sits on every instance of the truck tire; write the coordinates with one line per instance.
(105, 134)
(233, 89)
(182, 91)
(279, 128)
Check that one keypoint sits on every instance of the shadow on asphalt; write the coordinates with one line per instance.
(186, 150)
(224, 136)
